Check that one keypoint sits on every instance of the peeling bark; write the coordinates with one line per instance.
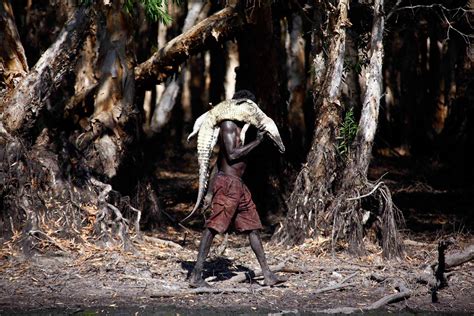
(346, 209)
(13, 65)
(314, 181)
(35, 91)
(114, 99)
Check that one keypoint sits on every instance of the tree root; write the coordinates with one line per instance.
(350, 220)
(111, 216)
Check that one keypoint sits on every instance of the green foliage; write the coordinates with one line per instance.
(156, 10)
(347, 133)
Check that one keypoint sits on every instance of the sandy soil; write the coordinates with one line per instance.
(85, 278)
(155, 277)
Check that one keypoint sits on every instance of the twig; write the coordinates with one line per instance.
(48, 238)
(366, 195)
(337, 286)
(168, 243)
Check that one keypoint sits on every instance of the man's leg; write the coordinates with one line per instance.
(257, 247)
(196, 279)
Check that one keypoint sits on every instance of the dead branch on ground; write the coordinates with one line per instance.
(206, 291)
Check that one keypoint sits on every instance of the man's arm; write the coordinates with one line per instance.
(229, 136)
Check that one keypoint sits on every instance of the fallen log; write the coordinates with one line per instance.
(459, 258)
(403, 293)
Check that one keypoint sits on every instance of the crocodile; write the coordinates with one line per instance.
(207, 129)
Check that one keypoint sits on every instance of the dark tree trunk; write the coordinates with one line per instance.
(261, 71)
(296, 86)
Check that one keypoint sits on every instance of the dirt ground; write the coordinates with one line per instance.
(152, 280)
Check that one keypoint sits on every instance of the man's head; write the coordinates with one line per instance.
(244, 94)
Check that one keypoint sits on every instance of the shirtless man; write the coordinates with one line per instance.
(231, 199)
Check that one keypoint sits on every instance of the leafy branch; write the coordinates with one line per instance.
(347, 133)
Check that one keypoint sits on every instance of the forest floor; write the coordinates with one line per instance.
(152, 280)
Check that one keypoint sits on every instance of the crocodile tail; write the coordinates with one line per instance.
(197, 125)
(207, 139)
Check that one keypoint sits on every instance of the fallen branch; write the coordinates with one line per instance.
(204, 291)
(392, 298)
(459, 258)
(339, 285)
(162, 242)
(333, 287)
(403, 293)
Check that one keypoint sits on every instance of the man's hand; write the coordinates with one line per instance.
(260, 135)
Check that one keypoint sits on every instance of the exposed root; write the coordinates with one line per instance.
(45, 200)
(110, 221)
(353, 216)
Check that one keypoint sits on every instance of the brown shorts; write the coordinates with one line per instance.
(232, 200)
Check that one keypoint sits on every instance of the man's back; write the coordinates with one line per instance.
(229, 139)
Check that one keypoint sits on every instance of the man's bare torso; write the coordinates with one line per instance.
(229, 139)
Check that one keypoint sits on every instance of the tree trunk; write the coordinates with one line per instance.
(261, 71)
(165, 104)
(37, 89)
(13, 65)
(313, 184)
(232, 64)
(66, 194)
(347, 212)
(114, 99)
(296, 85)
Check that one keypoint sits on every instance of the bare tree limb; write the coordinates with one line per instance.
(219, 27)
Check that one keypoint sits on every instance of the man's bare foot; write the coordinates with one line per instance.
(273, 279)
(196, 282)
